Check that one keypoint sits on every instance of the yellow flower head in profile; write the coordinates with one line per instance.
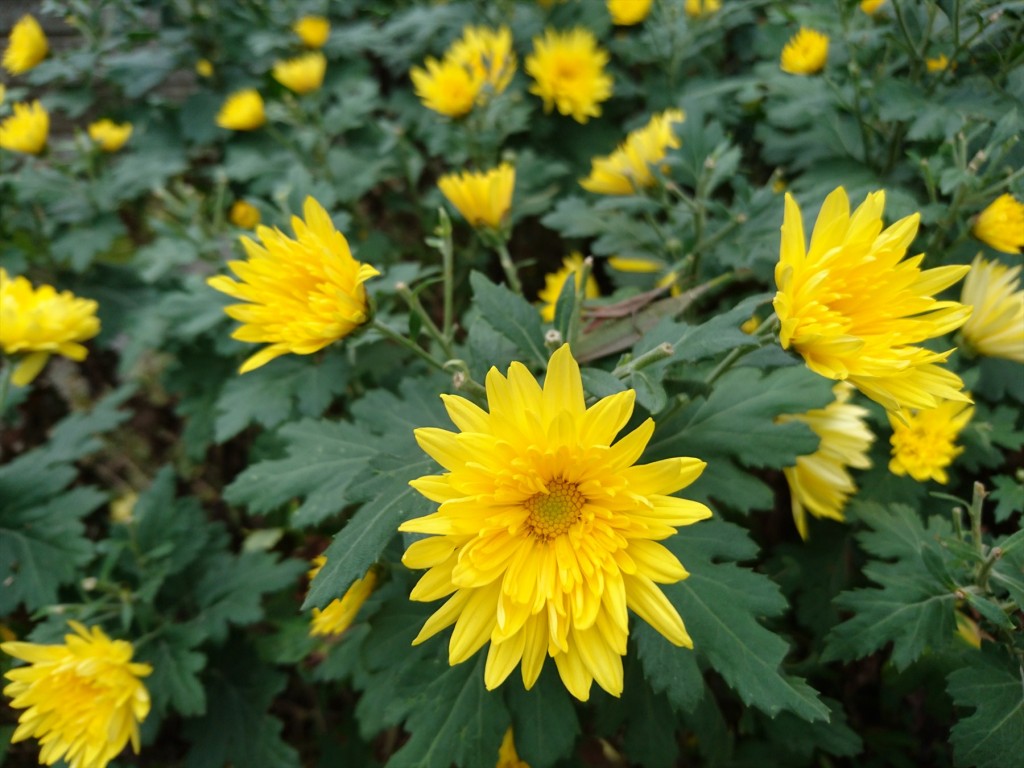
(487, 55)
(303, 74)
(572, 265)
(855, 309)
(1000, 225)
(83, 700)
(938, 64)
(870, 6)
(507, 755)
(924, 446)
(805, 53)
(313, 31)
(26, 130)
(568, 72)
(484, 198)
(244, 215)
(109, 135)
(547, 532)
(26, 47)
(820, 483)
(242, 111)
(996, 326)
(339, 615)
(628, 169)
(697, 9)
(302, 294)
(40, 322)
(626, 13)
(446, 87)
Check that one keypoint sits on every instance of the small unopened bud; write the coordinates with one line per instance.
(710, 163)
(553, 339)
(960, 595)
(458, 379)
(401, 286)
(996, 553)
(89, 583)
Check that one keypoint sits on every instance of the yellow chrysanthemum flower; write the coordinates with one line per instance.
(854, 309)
(339, 614)
(547, 532)
(446, 87)
(1000, 225)
(39, 322)
(204, 68)
(109, 135)
(26, 130)
(27, 46)
(870, 6)
(303, 294)
(303, 74)
(244, 215)
(924, 446)
(507, 755)
(83, 700)
(484, 198)
(555, 281)
(996, 326)
(313, 31)
(938, 64)
(242, 111)
(668, 279)
(628, 169)
(696, 9)
(487, 54)
(626, 13)
(805, 53)
(820, 483)
(568, 72)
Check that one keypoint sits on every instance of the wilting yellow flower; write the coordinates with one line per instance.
(870, 6)
(820, 483)
(110, 135)
(568, 72)
(938, 64)
(122, 508)
(627, 170)
(303, 74)
(26, 130)
(698, 8)
(967, 629)
(554, 282)
(312, 30)
(805, 53)
(507, 755)
(546, 532)
(204, 68)
(996, 326)
(482, 197)
(83, 700)
(751, 324)
(628, 12)
(242, 111)
(923, 446)
(855, 310)
(487, 55)
(303, 294)
(244, 214)
(39, 322)
(1000, 225)
(26, 47)
(446, 87)
(339, 615)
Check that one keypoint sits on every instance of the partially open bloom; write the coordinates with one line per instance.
(447, 87)
(628, 169)
(507, 755)
(996, 326)
(83, 700)
(924, 446)
(27, 46)
(568, 72)
(1000, 225)
(244, 214)
(303, 294)
(303, 74)
(242, 111)
(870, 6)
(938, 64)
(554, 282)
(854, 309)
(312, 30)
(487, 54)
(109, 135)
(26, 130)
(696, 9)
(805, 53)
(547, 532)
(628, 12)
(820, 483)
(340, 613)
(482, 197)
(39, 322)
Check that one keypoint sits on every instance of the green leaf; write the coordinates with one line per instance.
(510, 315)
(1008, 495)
(650, 738)
(176, 666)
(1008, 572)
(993, 735)
(543, 719)
(669, 670)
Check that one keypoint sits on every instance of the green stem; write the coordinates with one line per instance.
(408, 344)
(448, 272)
(464, 381)
(975, 514)
(730, 360)
(413, 302)
(573, 330)
(5, 386)
(651, 356)
(509, 267)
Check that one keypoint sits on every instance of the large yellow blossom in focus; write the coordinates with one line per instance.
(446, 87)
(487, 55)
(27, 46)
(109, 135)
(696, 9)
(805, 53)
(1001, 225)
(924, 446)
(26, 130)
(340, 613)
(303, 74)
(39, 322)
(820, 483)
(83, 700)
(482, 197)
(242, 111)
(628, 169)
(572, 265)
(854, 309)
(996, 326)
(303, 294)
(568, 70)
(625, 13)
(312, 30)
(547, 532)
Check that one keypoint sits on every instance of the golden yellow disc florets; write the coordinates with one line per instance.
(553, 513)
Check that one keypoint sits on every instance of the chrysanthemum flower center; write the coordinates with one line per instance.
(554, 512)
